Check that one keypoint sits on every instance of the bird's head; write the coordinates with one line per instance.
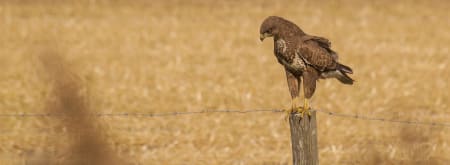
(269, 27)
(274, 26)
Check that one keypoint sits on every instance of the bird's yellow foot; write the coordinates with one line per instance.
(304, 109)
(289, 111)
(293, 109)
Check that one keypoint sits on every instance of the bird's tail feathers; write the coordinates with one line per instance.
(344, 69)
(344, 78)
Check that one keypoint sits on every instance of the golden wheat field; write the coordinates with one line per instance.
(184, 56)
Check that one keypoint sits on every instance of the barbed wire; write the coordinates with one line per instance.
(363, 117)
(161, 114)
(165, 114)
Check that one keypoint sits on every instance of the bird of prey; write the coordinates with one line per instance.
(304, 57)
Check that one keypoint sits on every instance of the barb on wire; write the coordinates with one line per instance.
(164, 114)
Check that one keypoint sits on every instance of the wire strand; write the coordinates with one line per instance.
(166, 114)
(362, 117)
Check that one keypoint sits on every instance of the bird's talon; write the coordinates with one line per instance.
(298, 109)
(301, 111)
(288, 113)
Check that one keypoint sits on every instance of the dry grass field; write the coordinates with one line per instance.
(176, 55)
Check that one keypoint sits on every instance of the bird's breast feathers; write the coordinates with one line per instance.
(280, 46)
(283, 50)
(298, 63)
(287, 56)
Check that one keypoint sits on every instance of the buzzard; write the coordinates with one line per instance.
(304, 57)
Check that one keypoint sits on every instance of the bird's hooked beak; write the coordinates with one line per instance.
(263, 36)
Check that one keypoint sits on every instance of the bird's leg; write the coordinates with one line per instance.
(294, 104)
(294, 107)
(305, 108)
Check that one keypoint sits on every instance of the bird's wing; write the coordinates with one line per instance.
(315, 55)
(324, 43)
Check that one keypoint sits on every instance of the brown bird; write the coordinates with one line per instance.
(304, 57)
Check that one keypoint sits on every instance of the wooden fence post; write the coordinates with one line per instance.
(304, 139)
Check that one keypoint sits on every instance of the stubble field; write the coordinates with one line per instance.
(165, 56)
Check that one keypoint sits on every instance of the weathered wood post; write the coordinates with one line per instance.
(304, 139)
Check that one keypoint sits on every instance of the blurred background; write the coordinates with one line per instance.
(98, 56)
